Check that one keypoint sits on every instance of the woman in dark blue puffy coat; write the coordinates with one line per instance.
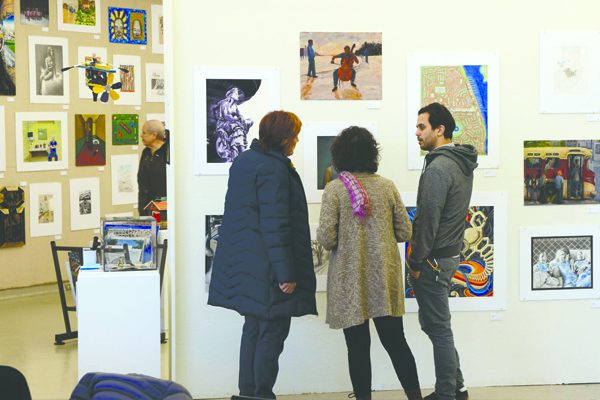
(263, 266)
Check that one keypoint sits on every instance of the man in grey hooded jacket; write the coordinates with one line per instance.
(443, 200)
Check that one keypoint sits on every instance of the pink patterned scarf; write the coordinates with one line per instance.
(358, 195)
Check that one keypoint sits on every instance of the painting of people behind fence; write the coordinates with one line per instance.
(340, 66)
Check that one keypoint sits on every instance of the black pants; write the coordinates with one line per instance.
(262, 343)
(391, 334)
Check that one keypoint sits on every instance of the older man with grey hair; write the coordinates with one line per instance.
(152, 173)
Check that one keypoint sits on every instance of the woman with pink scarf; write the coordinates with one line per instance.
(362, 220)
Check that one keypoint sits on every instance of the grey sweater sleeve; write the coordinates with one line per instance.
(433, 190)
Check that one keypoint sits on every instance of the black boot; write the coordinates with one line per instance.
(414, 394)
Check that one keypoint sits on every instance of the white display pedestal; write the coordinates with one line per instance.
(118, 317)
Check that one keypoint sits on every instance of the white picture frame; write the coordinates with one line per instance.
(47, 83)
(2, 140)
(127, 97)
(123, 172)
(28, 125)
(82, 52)
(416, 61)
(253, 108)
(84, 196)
(540, 282)
(157, 15)
(497, 301)
(569, 72)
(74, 27)
(155, 83)
(125, 214)
(317, 137)
(45, 209)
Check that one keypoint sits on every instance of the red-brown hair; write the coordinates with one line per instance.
(278, 130)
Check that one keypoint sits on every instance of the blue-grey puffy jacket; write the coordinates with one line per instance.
(264, 240)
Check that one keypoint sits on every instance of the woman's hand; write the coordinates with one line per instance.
(287, 287)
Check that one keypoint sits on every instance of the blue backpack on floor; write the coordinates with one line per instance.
(107, 386)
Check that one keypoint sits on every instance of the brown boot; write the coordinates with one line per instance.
(414, 394)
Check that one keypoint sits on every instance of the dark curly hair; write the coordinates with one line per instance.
(355, 150)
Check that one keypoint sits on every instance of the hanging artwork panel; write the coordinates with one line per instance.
(127, 25)
(211, 240)
(79, 15)
(47, 56)
(34, 12)
(85, 203)
(155, 83)
(229, 104)
(480, 281)
(2, 140)
(7, 50)
(42, 141)
(45, 205)
(321, 259)
(158, 36)
(12, 216)
(468, 85)
(123, 170)
(90, 139)
(130, 75)
(557, 262)
(125, 129)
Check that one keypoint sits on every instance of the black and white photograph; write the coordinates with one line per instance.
(211, 239)
(230, 103)
(85, 203)
(47, 56)
(155, 82)
(558, 262)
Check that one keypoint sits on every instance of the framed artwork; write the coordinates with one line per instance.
(45, 205)
(318, 169)
(42, 141)
(125, 129)
(341, 65)
(2, 140)
(230, 103)
(34, 12)
(123, 169)
(158, 37)
(90, 139)
(85, 203)
(561, 172)
(211, 240)
(557, 262)
(131, 91)
(8, 50)
(47, 56)
(127, 25)
(79, 15)
(155, 83)
(12, 216)
(569, 72)
(480, 282)
(320, 259)
(468, 85)
(86, 54)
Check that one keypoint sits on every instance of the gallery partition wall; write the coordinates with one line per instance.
(522, 85)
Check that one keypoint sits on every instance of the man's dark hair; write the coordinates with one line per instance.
(355, 150)
(440, 115)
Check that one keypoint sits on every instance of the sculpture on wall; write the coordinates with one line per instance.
(12, 216)
(99, 78)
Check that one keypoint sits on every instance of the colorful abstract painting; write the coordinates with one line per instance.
(79, 15)
(126, 25)
(125, 129)
(7, 48)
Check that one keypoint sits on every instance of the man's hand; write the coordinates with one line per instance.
(287, 287)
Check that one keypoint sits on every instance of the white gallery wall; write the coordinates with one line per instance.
(537, 342)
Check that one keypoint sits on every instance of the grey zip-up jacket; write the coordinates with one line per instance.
(443, 200)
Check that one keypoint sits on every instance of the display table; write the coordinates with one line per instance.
(119, 322)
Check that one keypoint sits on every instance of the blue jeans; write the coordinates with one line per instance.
(432, 290)
(311, 67)
(262, 343)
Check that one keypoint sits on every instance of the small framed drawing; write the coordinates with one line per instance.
(47, 56)
(79, 15)
(479, 284)
(42, 141)
(468, 85)
(45, 205)
(211, 240)
(85, 203)
(230, 103)
(318, 169)
(123, 170)
(131, 78)
(158, 37)
(155, 83)
(320, 259)
(557, 262)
